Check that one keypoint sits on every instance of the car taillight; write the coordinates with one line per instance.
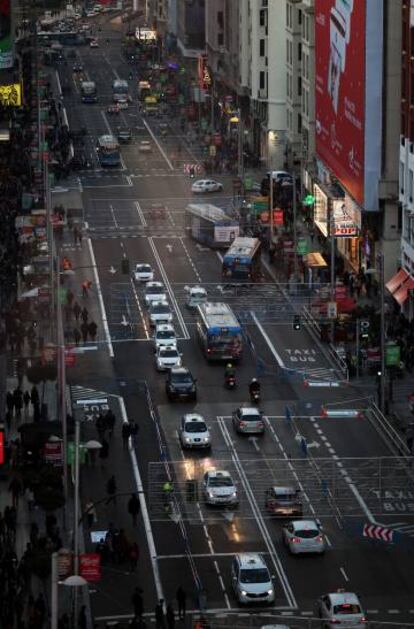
(363, 619)
(319, 538)
(296, 540)
(334, 621)
(242, 424)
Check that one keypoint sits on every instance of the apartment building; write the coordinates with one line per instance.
(294, 87)
(190, 22)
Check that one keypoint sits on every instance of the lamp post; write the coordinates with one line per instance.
(74, 581)
(382, 404)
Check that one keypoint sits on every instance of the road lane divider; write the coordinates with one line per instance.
(169, 289)
(100, 298)
(276, 561)
(141, 312)
(268, 341)
(161, 150)
(140, 214)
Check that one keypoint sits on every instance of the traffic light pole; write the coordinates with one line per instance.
(270, 211)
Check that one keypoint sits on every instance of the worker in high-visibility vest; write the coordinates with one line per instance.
(167, 490)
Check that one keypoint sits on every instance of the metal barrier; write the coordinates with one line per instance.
(315, 331)
(386, 431)
(235, 621)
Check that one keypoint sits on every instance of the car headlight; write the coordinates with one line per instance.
(206, 439)
(210, 494)
(234, 494)
(270, 592)
(187, 439)
(243, 593)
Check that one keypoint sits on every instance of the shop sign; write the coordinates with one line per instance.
(204, 76)
(70, 357)
(11, 95)
(64, 563)
(248, 183)
(302, 246)
(212, 151)
(392, 355)
(332, 310)
(90, 567)
(53, 453)
(321, 210)
(277, 217)
(71, 453)
(344, 221)
(6, 37)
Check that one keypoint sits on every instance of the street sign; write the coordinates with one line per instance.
(332, 310)
(248, 183)
(341, 413)
(302, 246)
(308, 200)
(90, 567)
(212, 150)
(392, 355)
(377, 532)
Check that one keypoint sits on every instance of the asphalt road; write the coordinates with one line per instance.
(348, 477)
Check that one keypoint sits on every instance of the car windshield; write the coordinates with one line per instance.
(181, 378)
(307, 533)
(161, 309)
(195, 427)
(347, 608)
(223, 481)
(165, 334)
(258, 575)
(153, 290)
(168, 353)
(142, 268)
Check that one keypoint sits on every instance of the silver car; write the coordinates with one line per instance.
(194, 432)
(341, 608)
(154, 291)
(251, 580)
(248, 420)
(159, 312)
(219, 488)
(167, 358)
(164, 335)
(303, 536)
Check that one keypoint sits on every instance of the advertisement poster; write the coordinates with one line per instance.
(90, 567)
(340, 90)
(6, 43)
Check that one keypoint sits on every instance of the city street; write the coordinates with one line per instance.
(346, 473)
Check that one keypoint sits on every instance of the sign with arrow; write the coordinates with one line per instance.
(112, 270)
(124, 321)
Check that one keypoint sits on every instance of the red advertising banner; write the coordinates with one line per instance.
(53, 453)
(1, 447)
(90, 567)
(340, 90)
(204, 76)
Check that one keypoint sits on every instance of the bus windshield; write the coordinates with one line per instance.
(120, 90)
(88, 91)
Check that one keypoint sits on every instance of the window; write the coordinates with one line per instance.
(262, 47)
(262, 82)
(402, 177)
(299, 17)
(262, 17)
(220, 19)
(299, 85)
(287, 85)
(410, 184)
(220, 39)
(299, 123)
(299, 51)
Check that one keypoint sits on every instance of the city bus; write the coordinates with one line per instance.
(210, 225)
(66, 38)
(120, 89)
(242, 261)
(219, 332)
(88, 92)
(108, 151)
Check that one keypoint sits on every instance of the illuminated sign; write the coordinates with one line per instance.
(11, 95)
(204, 76)
(6, 39)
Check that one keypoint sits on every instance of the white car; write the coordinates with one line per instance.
(154, 291)
(159, 312)
(143, 273)
(196, 295)
(251, 580)
(145, 146)
(194, 432)
(219, 488)
(303, 537)
(280, 175)
(341, 608)
(167, 357)
(94, 44)
(247, 419)
(206, 185)
(164, 336)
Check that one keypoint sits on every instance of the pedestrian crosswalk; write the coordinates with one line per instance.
(81, 394)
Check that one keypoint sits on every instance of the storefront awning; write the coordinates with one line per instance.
(315, 260)
(401, 294)
(395, 282)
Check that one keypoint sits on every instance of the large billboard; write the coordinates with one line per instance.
(348, 62)
(6, 40)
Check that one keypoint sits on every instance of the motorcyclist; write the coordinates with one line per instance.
(254, 387)
(192, 172)
(130, 76)
(229, 372)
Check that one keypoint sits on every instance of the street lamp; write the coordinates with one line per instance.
(73, 581)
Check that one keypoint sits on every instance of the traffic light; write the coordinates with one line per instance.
(191, 490)
(296, 322)
(125, 266)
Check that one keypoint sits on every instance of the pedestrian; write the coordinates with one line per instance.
(29, 495)
(76, 336)
(134, 508)
(170, 616)
(18, 401)
(86, 286)
(111, 490)
(137, 602)
(26, 402)
(90, 512)
(76, 311)
(134, 433)
(69, 297)
(159, 614)
(10, 402)
(82, 619)
(84, 315)
(34, 396)
(84, 332)
(133, 557)
(101, 426)
(110, 422)
(92, 329)
(126, 433)
(15, 488)
(181, 598)
(103, 451)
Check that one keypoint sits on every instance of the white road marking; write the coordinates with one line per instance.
(141, 312)
(342, 571)
(140, 213)
(161, 150)
(100, 299)
(111, 209)
(268, 341)
(144, 509)
(193, 266)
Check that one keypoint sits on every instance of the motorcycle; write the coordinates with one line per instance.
(230, 382)
(255, 396)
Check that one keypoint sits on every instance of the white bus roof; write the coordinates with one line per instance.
(108, 140)
(208, 211)
(243, 246)
(120, 83)
(218, 315)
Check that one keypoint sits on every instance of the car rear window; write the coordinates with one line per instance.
(307, 533)
(347, 608)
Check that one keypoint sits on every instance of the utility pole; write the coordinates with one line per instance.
(295, 231)
(382, 304)
(270, 211)
(62, 381)
(240, 160)
(76, 516)
(332, 237)
(212, 105)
